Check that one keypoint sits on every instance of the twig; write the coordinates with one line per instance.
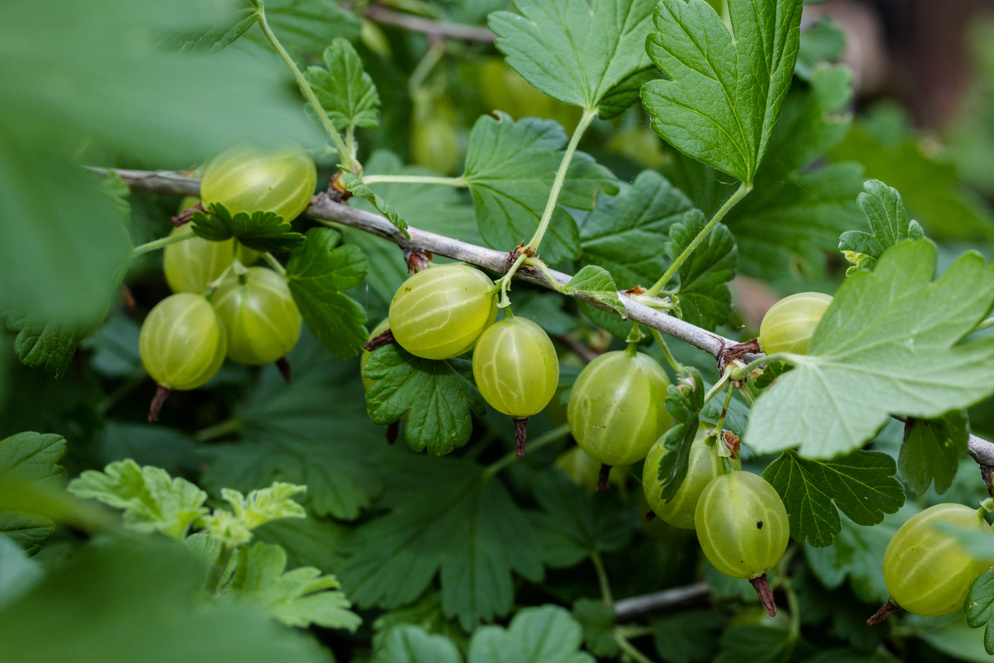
(428, 26)
(668, 598)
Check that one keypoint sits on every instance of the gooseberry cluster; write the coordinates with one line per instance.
(222, 306)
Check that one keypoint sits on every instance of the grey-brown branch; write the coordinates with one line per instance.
(323, 209)
(429, 27)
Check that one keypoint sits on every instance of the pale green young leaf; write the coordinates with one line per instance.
(234, 527)
(152, 501)
(702, 296)
(443, 517)
(437, 398)
(596, 282)
(626, 234)
(30, 458)
(357, 188)
(861, 485)
(510, 168)
(346, 92)
(283, 436)
(684, 405)
(884, 210)
(722, 100)
(412, 644)
(576, 51)
(142, 602)
(298, 598)
(317, 274)
(547, 634)
(888, 344)
(262, 231)
(979, 608)
(932, 449)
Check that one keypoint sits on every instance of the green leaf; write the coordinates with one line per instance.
(234, 527)
(46, 343)
(688, 636)
(885, 212)
(31, 458)
(576, 51)
(218, 36)
(346, 92)
(306, 541)
(298, 598)
(437, 397)
(284, 430)
(626, 234)
(951, 635)
(262, 231)
(510, 168)
(889, 150)
(597, 621)
(152, 501)
(821, 41)
(317, 273)
(306, 27)
(979, 607)
(755, 643)
(703, 298)
(932, 449)
(724, 93)
(425, 613)
(596, 282)
(18, 572)
(574, 525)
(444, 517)
(684, 402)
(357, 188)
(145, 602)
(888, 344)
(412, 644)
(861, 485)
(547, 634)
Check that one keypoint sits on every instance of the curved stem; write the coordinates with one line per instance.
(162, 243)
(305, 89)
(274, 263)
(415, 179)
(505, 281)
(670, 359)
(428, 62)
(602, 579)
(717, 386)
(557, 184)
(630, 649)
(741, 372)
(540, 265)
(739, 194)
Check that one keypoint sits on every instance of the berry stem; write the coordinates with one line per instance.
(603, 476)
(762, 587)
(739, 194)
(161, 395)
(520, 434)
(393, 431)
(283, 366)
(883, 613)
(541, 441)
(163, 243)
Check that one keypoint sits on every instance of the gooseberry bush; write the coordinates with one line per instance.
(441, 297)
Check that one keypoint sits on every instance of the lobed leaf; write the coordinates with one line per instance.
(317, 274)
(932, 449)
(32, 459)
(979, 607)
(412, 644)
(888, 218)
(684, 403)
(357, 188)
(725, 89)
(262, 231)
(888, 344)
(547, 634)
(702, 296)
(346, 92)
(578, 51)
(597, 283)
(861, 485)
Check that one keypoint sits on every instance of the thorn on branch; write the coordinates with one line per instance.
(637, 290)
(730, 353)
(883, 613)
(762, 587)
(379, 341)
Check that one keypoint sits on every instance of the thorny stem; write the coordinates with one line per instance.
(557, 184)
(739, 194)
(602, 579)
(305, 89)
(540, 265)
(541, 441)
(162, 243)
(415, 179)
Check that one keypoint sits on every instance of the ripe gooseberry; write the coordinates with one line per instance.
(703, 466)
(182, 344)
(259, 314)
(926, 569)
(616, 408)
(248, 179)
(790, 323)
(743, 529)
(516, 369)
(441, 311)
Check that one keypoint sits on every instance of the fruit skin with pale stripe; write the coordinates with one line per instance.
(259, 314)
(742, 524)
(790, 323)
(926, 570)
(249, 179)
(441, 311)
(515, 367)
(616, 408)
(703, 466)
(182, 342)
